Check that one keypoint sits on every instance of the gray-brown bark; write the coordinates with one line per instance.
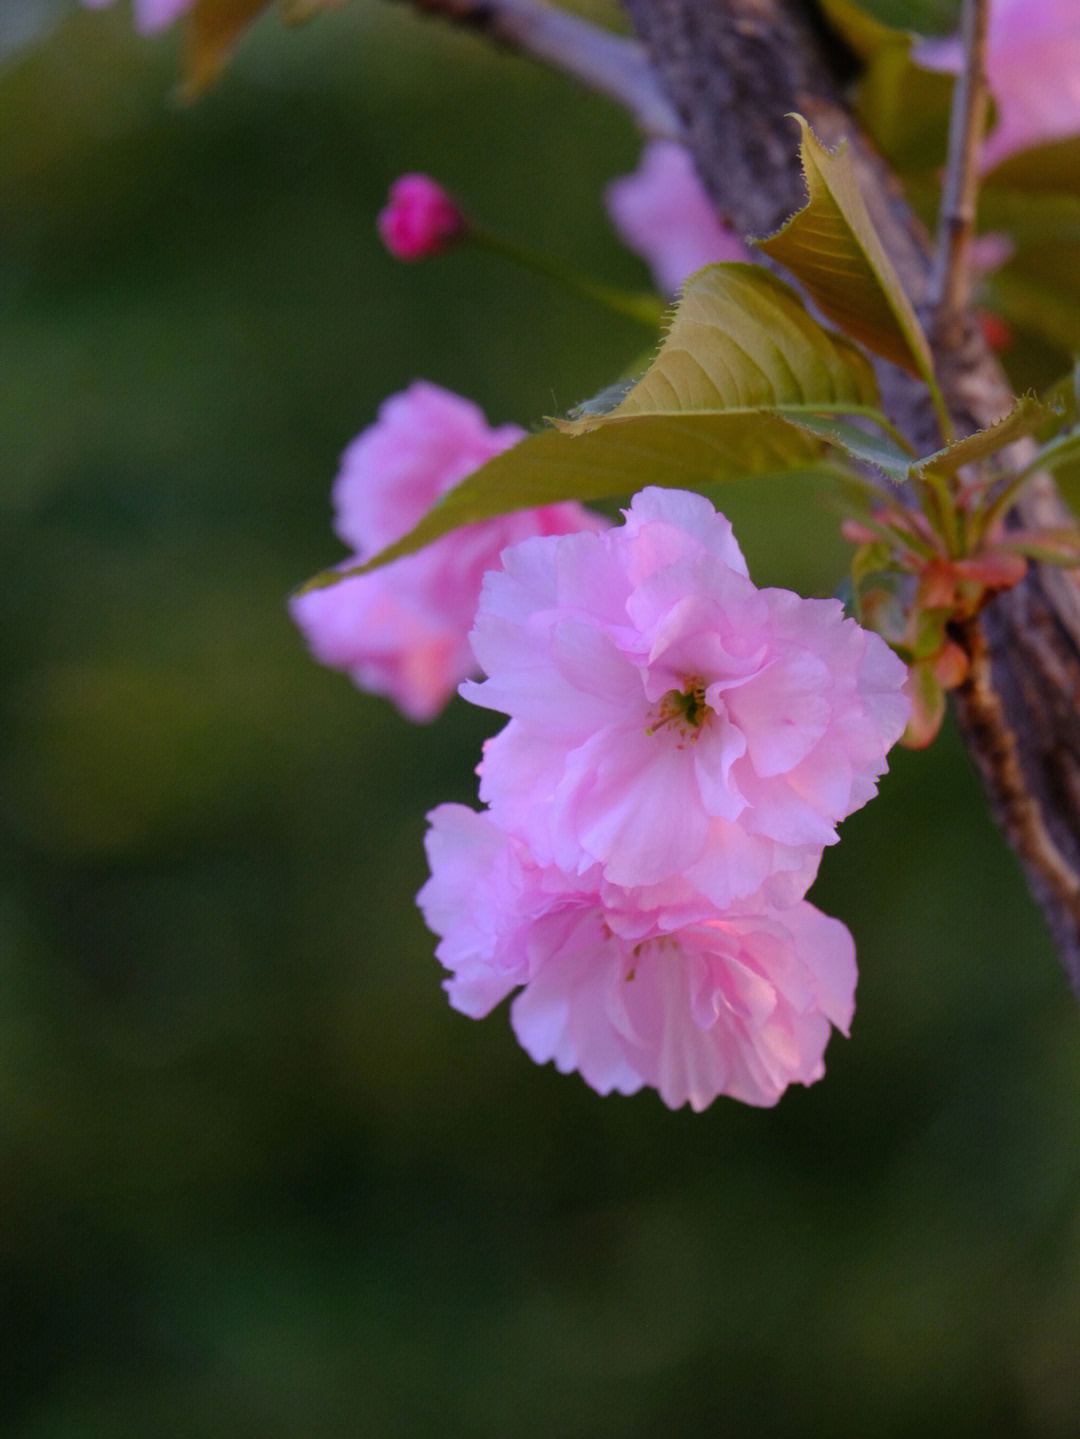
(733, 69)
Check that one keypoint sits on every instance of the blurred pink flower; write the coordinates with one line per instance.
(667, 717)
(1033, 66)
(663, 214)
(420, 219)
(151, 15)
(693, 1004)
(402, 631)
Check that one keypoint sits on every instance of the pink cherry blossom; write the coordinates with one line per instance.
(1033, 66)
(667, 717)
(692, 1004)
(151, 15)
(402, 631)
(420, 219)
(663, 214)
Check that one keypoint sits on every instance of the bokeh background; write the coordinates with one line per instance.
(257, 1180)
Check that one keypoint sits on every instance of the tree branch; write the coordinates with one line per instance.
(723, 76)
(732, 68)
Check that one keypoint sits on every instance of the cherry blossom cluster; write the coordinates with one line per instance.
(681, 746)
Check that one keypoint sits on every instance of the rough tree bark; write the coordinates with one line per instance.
(733, 69)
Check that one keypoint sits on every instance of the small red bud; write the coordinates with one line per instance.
(996, 332)
(420, 219)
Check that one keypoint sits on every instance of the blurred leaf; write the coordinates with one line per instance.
(927, 706)
(1030, 219)
(833, 249)
(1053, 168)
(862, 32)
(903, 106)
(298, 12)
(213, 29)
(928, 17)
(1039, 290)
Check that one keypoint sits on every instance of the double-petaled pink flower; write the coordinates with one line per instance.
(402, 631)
(667, 717)
(692, 1001)
(681, 747)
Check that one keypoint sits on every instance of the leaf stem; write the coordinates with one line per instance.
(646, 309)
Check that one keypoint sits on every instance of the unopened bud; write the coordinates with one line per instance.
(420, 219)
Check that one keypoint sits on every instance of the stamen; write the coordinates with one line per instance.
(685, 710)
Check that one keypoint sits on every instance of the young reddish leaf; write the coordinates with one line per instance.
(927, 706)
(951, 665)
(833, 249)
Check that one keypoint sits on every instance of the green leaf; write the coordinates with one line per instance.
(683, 452)
(861, 31)
(1060, 451)
(928, 17)
(739, 340)
(859, 445)
(740, 376)
(833, 249)
(1025, 417)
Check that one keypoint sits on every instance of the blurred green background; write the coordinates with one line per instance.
(257, 1179)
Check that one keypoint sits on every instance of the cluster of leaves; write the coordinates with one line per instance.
(748, 382)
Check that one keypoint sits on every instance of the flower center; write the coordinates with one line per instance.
(684, 711)
(659, 945)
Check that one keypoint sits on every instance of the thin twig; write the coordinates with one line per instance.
(605, 62)
(950, 283)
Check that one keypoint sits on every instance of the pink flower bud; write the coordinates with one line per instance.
(420, 219)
